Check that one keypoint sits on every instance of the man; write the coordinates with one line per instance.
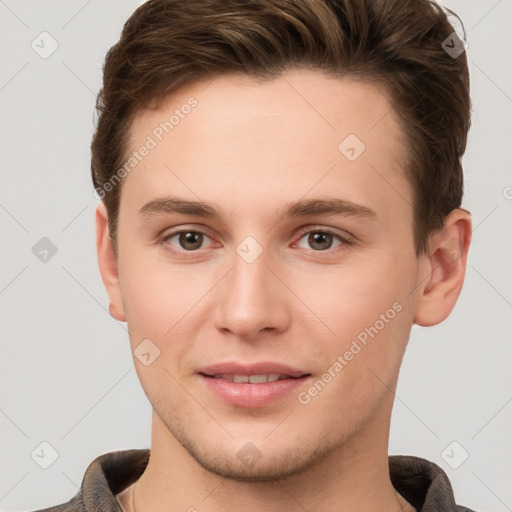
(281, 190)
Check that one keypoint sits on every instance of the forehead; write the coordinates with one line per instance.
(337, 103)
(302, 130)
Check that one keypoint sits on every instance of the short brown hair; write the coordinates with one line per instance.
(397, 44)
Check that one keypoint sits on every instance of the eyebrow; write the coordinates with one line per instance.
(301, 208)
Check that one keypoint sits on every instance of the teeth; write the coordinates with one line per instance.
(258, 379)
(253, 379)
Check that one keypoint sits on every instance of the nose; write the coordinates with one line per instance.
(251, 300)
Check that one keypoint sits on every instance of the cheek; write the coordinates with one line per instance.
(158, 293)
(355, 293)
(363, 313)
(360, 362)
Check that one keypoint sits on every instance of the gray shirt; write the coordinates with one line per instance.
(421, 482)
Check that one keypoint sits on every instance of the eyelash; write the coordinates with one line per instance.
(344, 240)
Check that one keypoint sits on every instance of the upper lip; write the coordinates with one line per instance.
(261, 368)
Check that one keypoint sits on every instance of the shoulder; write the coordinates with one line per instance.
(75, 504)
(86, 502)
(424, 484)
(105, 477)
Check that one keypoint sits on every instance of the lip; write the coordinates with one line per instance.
(250, 395)
(252, 369)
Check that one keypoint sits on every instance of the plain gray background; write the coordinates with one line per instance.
(67, 376)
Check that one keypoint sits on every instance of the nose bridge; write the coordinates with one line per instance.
(250, 300)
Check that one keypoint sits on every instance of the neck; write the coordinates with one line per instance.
(354, 476)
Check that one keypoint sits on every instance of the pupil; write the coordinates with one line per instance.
(320, 238)
(190, 238)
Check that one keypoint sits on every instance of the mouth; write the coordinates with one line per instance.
(236, 371)
(252, 379)
(252, 386)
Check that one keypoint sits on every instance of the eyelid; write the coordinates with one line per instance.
(177, 231)
(347, 239)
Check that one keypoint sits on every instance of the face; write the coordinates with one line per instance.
(301, 255)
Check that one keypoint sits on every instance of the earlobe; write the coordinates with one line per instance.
(114, 313)
(445, 269)
(108, 264)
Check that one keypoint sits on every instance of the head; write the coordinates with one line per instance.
(259, 120)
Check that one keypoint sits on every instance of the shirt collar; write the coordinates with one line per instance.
(421, 482)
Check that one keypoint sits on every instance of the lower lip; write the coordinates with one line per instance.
(252, 395)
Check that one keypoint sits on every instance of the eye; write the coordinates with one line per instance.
(322, 239)
(188, 240)
(191, 240)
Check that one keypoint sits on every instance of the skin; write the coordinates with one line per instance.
(249, 148)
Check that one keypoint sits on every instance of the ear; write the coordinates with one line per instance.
(108, 263)
(445, 268)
